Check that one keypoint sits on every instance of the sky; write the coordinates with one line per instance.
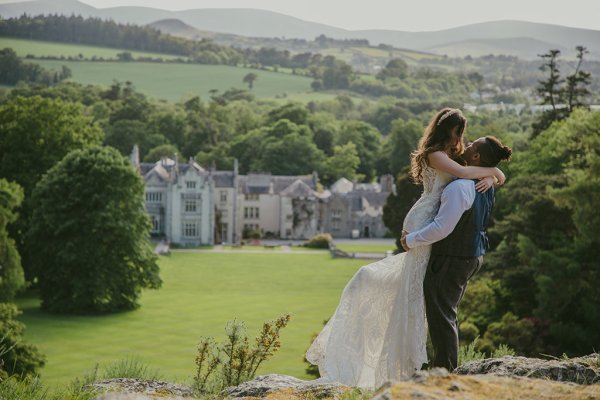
(408, 15)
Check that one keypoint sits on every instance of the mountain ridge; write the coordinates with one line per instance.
(250, 22)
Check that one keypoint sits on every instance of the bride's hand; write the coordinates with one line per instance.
(500, 176)
(485, 184)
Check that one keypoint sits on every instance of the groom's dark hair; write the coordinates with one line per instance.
(493, 151)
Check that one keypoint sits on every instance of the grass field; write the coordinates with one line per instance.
(365, 248)
(201, 292)
(40, 48)
(347, 53)
(174, 82)
(169, 81)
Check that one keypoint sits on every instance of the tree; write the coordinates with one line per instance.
(16, 357)
(402, 140)
(294, 154)
(342, 164)
(367, 140)
(163, 150)
(90, 232)
(552, 92)
(576, 88)
(37, 133)
(11, 272)
(249, 79)
(395, 68)
(294, 112)
(548, 222)
(125, 133)
(398, 204)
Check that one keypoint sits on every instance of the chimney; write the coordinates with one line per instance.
(135, 157)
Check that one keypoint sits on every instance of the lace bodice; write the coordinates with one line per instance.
(378, 331)
(426, 207)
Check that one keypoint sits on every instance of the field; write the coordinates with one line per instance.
(39, 48)
(174, 82)
(366, 248)
(201, 292)
(167, 81)
(347, 53)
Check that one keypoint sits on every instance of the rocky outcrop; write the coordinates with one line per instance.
(139, 389)
(500, 379)
(438, 384)
(583, 370)
(266, 384)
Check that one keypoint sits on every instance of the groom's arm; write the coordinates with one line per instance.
(456, 198)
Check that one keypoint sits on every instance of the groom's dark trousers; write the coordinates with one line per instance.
(454, 260)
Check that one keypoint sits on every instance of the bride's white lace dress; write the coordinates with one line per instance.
(378, 331)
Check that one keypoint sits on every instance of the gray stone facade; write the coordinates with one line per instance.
(193, 206)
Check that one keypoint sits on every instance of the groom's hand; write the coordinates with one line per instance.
(403, 241)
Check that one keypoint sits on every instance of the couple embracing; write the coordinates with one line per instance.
(379, 330)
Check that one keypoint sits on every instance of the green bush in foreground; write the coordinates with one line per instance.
(16, 357)
(220, 365)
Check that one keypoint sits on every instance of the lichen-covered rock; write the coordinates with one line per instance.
(139, 389)
(584, 370)
(266, 384)
(439, 385)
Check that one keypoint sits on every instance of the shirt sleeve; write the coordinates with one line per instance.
(456, 198)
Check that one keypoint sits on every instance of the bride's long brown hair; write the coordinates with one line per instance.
(438, 137)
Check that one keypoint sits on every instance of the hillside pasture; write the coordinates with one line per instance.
(174, 82)
(38, 49)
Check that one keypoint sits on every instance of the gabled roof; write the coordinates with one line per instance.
(267, 183)
(298, 189)
(163, 169)
(376, 199)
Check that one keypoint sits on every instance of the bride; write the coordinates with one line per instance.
(378, 331)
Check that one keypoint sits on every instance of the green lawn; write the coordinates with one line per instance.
(174, 82)
(200, 293)
(40, 48)
(365, 248)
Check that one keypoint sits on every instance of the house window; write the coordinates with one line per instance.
(251, 212)
(190, 205)
(223, 232)
(190, 184)
(223, 196)
(224, 214)
(254, 227)
(289, 217)
(335, 225)
(251, 196)
(190, 229)
(153, 197)
(288, 232)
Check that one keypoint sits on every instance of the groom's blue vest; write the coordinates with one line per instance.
(469, 238)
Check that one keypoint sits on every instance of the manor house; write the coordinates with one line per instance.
(191, 206)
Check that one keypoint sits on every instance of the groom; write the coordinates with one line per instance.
(459, 243)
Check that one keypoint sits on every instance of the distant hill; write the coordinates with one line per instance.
(525, 48)
(520, 38)
(179, 28)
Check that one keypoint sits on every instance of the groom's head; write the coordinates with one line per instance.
(486, 152)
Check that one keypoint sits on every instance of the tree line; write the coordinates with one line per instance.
(14, 70)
